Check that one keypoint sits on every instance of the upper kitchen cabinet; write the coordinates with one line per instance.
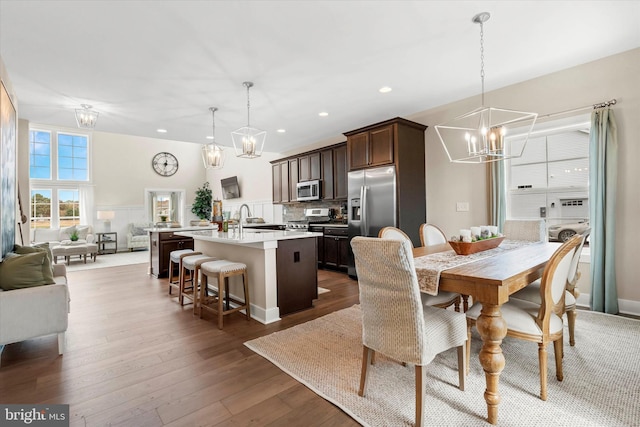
(379, 144)
(309, 167)
(340, 171)
(280, 171)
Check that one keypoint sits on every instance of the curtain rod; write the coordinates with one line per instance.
(575, 110)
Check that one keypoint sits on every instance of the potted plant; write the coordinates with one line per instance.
(74, 236)
(202, 203)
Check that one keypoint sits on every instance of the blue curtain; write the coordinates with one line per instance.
(603, 162)
(497, 193)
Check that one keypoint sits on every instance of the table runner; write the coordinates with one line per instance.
(429, 267)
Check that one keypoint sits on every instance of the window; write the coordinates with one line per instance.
(58, 165)
(551, 179)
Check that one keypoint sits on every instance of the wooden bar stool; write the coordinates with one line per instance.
(191, 267)
(175, 259)
(221, 270)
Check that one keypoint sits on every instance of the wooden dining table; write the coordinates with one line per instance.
(491, 281)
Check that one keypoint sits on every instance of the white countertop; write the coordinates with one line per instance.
(249, 236)
(169, 229)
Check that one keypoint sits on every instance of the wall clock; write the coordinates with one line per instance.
(165, 164)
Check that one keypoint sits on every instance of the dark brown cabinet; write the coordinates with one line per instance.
(309, 167)
(293, 180)
(280, 171)
(297, 272)
(340, 172)
(335, 248)
(371, 147)
(162, 244)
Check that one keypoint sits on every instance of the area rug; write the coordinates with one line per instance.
(600, 386)
(109, 260)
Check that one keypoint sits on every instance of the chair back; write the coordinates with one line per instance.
(393, 233)
(573, 269)
(392, 313)
(530, 230)
(554, 281)
(431, 235)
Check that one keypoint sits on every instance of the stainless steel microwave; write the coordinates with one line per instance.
(308, 190)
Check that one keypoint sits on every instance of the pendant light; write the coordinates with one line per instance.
(248, 142)
(86, 117)
(485, 134)
(213, 154)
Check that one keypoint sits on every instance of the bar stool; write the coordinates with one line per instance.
(175, 258)
(191, 266)
(221, 270)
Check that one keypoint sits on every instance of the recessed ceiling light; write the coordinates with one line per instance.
(281, 130)
(161, 130)
(385, 89)
(209, 136)
(323, 114)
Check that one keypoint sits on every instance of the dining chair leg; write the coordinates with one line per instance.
(462, 365)
(468, 345)
(366, 360)
(558, 351)
(542, 356)
(420, 395)
(571, 322)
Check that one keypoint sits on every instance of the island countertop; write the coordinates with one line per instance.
(251, 237)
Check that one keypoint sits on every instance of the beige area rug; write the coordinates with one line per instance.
(108, 260)
(600, 386)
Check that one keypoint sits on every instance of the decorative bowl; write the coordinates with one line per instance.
(466, 248)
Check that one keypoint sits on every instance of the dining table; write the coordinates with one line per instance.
(490, 281)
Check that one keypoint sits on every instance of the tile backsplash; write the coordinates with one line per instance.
(295, 211)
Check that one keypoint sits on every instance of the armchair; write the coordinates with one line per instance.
(137, 237)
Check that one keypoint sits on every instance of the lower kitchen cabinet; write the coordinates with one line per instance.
(162, 244)
(297, 272)
(335, 248)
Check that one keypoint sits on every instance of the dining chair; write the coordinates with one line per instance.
(395, 323)
(540, 323)
(532, 291)
(443, 299)
(431, 235)
(523, 229)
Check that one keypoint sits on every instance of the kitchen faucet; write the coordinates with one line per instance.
(244, 205)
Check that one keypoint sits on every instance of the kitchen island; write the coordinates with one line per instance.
(164, 240)
(282, 267)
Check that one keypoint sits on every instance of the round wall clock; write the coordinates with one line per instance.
(165, 164)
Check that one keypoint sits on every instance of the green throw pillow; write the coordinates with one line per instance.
(23, 271)
(47, 265)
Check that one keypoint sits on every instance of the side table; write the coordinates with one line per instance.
(107, 243)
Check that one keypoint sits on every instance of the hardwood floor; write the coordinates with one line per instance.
(134, 357)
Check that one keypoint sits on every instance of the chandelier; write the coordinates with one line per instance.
(86, 117)
(248, 142)
(485, 134)
(213, 154)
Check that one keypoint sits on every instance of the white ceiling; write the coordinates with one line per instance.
(146, 65)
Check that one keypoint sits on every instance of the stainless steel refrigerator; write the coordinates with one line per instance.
(372, 204)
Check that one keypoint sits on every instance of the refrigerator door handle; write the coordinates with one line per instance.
(364, 227)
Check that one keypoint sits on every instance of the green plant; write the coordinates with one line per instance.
(202, 203)
(74, 236)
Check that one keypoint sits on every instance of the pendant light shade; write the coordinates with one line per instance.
(212, 154)
(484, 135)
(248, 142)
(86, 117)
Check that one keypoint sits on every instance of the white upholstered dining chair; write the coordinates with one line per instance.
(524, 229)
(431, 235)
(395, 323)
(532, 292)
(443, 299)
(540, 323)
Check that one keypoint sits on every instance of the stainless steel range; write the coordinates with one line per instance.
(311, 216)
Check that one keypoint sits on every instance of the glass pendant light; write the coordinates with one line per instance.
(248, 142)
(213, 154)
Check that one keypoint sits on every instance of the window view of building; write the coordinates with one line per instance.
(551, 179)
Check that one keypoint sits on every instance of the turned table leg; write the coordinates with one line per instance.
(492, 329)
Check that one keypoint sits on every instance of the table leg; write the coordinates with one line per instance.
(492, 329)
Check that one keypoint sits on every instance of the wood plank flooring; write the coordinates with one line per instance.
(134, 357)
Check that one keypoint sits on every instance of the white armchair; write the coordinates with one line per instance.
(35, 311)
(137, 237)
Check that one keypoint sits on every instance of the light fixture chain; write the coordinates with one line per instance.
(482, 59)
(213, 116)
(248, 107)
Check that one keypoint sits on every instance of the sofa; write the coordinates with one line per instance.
(55, 236)
(33, 303)
(137, 237)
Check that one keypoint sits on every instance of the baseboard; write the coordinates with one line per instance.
(625, 306)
